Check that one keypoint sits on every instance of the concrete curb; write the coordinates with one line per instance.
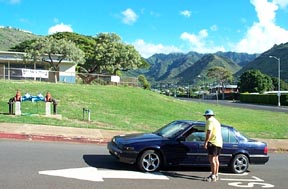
(34, 137)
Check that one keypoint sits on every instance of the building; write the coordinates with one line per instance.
(227, 89)
(13, 65)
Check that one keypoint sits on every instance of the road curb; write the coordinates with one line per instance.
(32, 137)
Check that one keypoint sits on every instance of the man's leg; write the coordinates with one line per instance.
(214, 165)
(211, 161)
(217, 165)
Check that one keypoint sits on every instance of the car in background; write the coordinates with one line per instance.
(181, 143)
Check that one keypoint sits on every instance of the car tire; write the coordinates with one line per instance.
(239, 164)
(149, 161)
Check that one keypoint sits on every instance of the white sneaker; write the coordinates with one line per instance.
(211, 178)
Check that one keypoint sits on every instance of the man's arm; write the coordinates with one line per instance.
(208, 136)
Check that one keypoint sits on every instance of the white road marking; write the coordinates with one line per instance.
(246, 180)
(86, 173)
(233, 174)
(93, 174)
(96, 175)
(251, 185)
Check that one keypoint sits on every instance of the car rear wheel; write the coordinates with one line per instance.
(239, 164)
(149, 161)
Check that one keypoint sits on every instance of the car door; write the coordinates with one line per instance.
(230, 145)
(195, 145)
(202, 155)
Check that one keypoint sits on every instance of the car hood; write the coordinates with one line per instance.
(139, 137)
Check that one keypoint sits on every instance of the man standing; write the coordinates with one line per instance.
(213, 143)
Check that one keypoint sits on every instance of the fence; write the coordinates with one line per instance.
(65, 77)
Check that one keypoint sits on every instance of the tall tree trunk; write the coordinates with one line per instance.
(55, 77)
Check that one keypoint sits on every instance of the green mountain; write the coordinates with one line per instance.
(186, 68)
(240, 58)
(9, 37)
(269, 65)
(167, 67)
(201, 67)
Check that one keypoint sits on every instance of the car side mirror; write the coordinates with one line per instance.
(181, 139)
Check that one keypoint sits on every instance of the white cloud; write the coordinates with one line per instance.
(148, 49)
(129, 16)
(282, 3)
(60, 28)
(155, 14)
(56, 20)
(186, 13)
(259, 37)
(14, 1)
(214, 28)
(198, 43)
(263, 34)
(11, 1)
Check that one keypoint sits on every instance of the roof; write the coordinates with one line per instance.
(225, 86)
(17, 57)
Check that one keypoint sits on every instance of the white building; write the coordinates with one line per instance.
(13, 66)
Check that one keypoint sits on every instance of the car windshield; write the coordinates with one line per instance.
(172, 129)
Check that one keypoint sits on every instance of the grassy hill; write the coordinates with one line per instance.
(129, 109)
(9, 37)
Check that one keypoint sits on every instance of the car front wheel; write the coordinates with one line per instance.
(239, 164)
(149, 161)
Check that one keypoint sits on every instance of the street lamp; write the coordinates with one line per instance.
(279, 94)
(200, 76)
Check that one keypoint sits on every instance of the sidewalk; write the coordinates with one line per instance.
(56, 133)
(84, 135)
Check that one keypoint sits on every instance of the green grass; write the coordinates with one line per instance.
(130, 109)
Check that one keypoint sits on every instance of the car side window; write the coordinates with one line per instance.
(197, 134)
(232, 137)
(225, 134)
(228, 136)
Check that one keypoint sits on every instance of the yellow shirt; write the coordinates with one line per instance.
(214, 126)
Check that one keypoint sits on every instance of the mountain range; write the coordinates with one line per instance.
(186, 68)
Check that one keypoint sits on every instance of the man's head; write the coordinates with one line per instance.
(208, 114)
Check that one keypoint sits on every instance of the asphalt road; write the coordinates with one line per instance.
(43, 165)
(242, 105)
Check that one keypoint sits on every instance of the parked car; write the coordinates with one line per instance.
(181, 143)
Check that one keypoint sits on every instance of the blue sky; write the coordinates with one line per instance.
(159, 26)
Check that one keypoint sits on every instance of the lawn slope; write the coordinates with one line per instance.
(128, 108)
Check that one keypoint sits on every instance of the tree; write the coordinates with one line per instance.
(105, 53)
(254, 81)
(85, 43)
(111, 56)
(21, 47)
(54, 51)
(221, 75)
(283, 84)
(145, 84)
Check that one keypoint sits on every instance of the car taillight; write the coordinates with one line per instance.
(266, 150)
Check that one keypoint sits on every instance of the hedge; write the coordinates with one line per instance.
(269, 99)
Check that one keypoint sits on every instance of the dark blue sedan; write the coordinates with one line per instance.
(181, 143)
